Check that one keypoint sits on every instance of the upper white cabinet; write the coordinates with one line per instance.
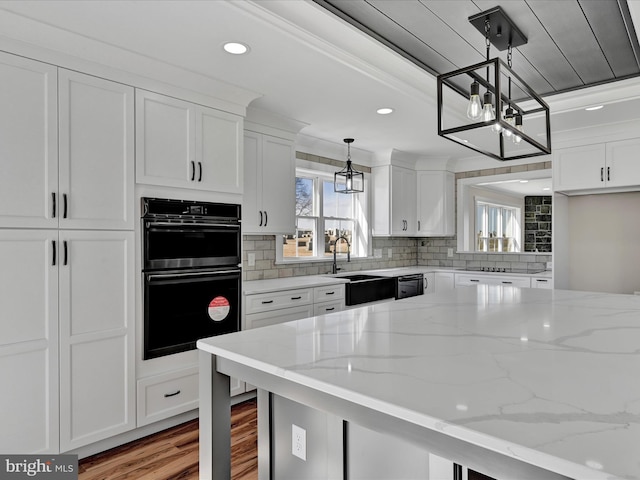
(96, 162)
(596, 167)
(28, 142)
(436, 207)
(89, 183)
(180, 144)
(394, 201)
(269, 184)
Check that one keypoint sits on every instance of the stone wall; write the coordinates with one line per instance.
(537, 223)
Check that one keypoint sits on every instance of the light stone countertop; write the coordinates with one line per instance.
(549, 377)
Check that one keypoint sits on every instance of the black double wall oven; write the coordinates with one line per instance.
(191, 271)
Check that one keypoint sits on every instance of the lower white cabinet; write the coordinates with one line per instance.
(67, 350)
(463, 279)
(163, 396)
(541, 283)
(444, 281)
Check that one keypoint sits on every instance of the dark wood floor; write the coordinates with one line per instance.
(173, 454)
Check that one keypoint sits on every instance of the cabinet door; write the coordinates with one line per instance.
(623, 169)
(436, 203)
(28, 143)
(165, 141)
(444, 281)
(96, 152)
(97, 376)
(278, 185)
(403, 202)
(29, 341)
(218, 151)
(251, 207)
(579, 168)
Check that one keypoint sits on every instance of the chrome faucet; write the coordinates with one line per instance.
(335, 268)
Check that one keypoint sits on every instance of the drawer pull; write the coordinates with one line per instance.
(329, 293)
(264, 302)
(540, 280)
(508, 283)
(296, 298)
(329, 309)
(473, 280)
(167, 395)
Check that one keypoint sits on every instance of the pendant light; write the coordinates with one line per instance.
(494, 123)
(348, 180)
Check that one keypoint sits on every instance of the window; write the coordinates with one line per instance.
(322, 216)
(497, 227)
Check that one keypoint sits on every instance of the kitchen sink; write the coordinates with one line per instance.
(368, 288)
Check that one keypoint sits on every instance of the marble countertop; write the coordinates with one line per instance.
(549, 377)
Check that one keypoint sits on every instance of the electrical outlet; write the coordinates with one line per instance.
(299, 442)
(449, 252)
(389, 253)
(251, 259)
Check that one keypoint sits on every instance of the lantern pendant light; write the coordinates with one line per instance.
(348, 180)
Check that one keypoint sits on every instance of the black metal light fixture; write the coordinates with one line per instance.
(495, 126)
(348, 180)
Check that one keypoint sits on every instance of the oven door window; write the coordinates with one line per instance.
(182, 308)
(177, 246)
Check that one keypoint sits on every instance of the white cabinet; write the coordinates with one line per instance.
(465, 279)
(96, 317)
(29, 403)
(593, 168)
(394, 201)
(444, 281)
(96, 161)
(67, 345)
(89, 182)
(269, 184)
(430, 282)
(436, 207)
(541, 283)
(180, 144)
(168, 394)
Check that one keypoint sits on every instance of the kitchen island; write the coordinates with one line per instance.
(514, 383)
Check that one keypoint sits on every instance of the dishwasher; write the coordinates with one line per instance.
(409, 286)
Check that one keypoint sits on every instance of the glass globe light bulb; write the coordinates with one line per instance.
(474, 108)
(488, 113)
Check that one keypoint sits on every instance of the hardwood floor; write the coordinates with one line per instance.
(173, 454)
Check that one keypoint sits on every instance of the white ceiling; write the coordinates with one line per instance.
(304, 64)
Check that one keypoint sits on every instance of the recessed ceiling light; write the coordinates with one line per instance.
(596, 107)
(235, 48)
(384, 111)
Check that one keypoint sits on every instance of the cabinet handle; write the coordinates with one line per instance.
(329, 293)
(53, 245)
(473, 280)
(193, 170)
(64, 209)
(329, 309)
(541, 280)
(602, 174)
(507, 283)
(266, 218)
(66, 256)
(53, 199)
(608, 174)
(418, 224)
(296, 298)
(199, 171)
(265, 302)
(167, 395)
(260, 218)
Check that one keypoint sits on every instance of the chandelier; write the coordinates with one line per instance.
(348, 180)
(505, 124)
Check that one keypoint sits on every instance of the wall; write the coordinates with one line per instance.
(537, 223)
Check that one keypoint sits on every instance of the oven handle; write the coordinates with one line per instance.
(191, 224)
(153, 276)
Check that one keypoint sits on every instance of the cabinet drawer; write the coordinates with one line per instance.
(262, 319)
(263, 302)
(462, 280)
(166, 395)
(328, 307)
(328, 293)
(542, 283)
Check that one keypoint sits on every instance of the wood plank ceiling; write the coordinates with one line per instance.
(572, 44)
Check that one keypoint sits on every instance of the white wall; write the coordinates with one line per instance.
(604, 239)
